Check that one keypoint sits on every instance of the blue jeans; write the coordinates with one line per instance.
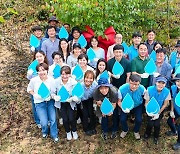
(46, 112)
(35, 116)
(173, 126)
(105, 121)
(138, 119)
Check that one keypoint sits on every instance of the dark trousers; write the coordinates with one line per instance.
(88, 113)
(155, 124)
(173, 126)
(68, 116)
(105, 121)
(138, 119)
(79, 113)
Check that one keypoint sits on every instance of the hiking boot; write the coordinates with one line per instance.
(123, 134)
(75, 135)
(137, 136)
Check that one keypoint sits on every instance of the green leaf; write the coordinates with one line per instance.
(2, 19)
(12, 11)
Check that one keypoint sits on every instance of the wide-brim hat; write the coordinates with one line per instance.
(53, 18)
(178, 44)
(177, 77)
(103, 82)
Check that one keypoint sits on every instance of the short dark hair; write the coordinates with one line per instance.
(118, 47)
(36, 28)
(141, 44)
(157, 42)
(76, 29)
(57, 53)
(66, 69)
(66, 24)
(50, 27)
(44, 65)
(135, 78)
(161, 50)
(151, 30)
(136, 34)
(82, 55)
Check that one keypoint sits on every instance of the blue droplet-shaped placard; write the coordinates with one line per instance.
(43, 91)
(104, 75)
(117, 68)
(153, 55)
(82, 41)
(177, 99)
(150, 67)
(33, 65)
(152, 107)
(177, 70)
(127, 102)
(126, 48)
(78, 90)
(63, 93)
(106, 107)
(78, 72)
(63, 33)
(91, 54)
(34, 41)
(56, 71)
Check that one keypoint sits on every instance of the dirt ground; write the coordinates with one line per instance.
(19, 134)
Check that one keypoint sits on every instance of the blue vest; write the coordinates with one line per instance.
(174, 90)
(137, 95)
(133, 52)
(173, 60)
(160, 97)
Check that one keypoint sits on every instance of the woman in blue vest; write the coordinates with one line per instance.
(174, 113)
(162, 96)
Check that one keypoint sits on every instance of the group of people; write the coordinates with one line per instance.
(163, 85)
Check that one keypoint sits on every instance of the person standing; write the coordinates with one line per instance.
(50, 45)
(117, 80)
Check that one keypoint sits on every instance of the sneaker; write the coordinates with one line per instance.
(114, 135)
(104, 136)
(156, 141)
(44, 135)
(100, 119)
(78, 121)
(137, 136)
(39, 126)
(176, 146)
(94, 132)
(56, 140)
(123, 134)
(171, 133)
(75, 135)
(146, 136)
(61, 121)
(69, 136)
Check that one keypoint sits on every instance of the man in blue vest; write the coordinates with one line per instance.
(136, 91)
